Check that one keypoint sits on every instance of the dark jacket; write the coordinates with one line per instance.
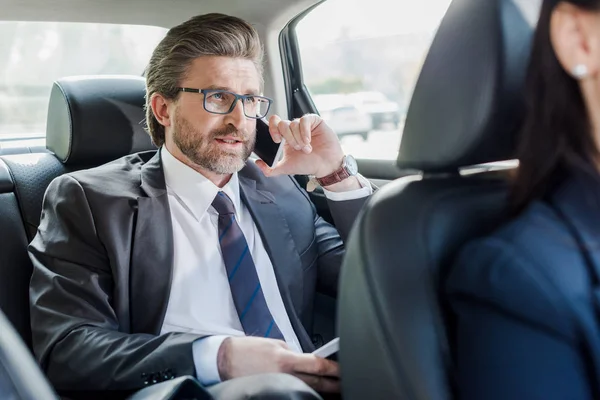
(527, 301)
(103, 259)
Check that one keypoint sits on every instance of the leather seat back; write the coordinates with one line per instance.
(20, 377)
(15, 267)
(393, 322)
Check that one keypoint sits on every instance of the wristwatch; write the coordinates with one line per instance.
(349, 168)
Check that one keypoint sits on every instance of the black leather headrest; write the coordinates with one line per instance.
(96, 119)
(466, 106)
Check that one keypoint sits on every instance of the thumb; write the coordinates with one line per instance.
(280, 169)
(313, 121)
(313, 365)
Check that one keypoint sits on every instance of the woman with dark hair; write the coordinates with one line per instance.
(527, 298)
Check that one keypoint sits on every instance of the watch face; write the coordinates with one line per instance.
(351, 165)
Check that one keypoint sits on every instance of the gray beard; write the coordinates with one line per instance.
(203, 151)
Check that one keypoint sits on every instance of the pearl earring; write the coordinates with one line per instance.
(580, 71)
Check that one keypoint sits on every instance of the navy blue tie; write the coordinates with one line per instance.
(245, 286)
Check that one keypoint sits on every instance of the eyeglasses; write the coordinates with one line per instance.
(218, 101)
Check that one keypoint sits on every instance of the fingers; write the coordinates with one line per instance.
(306, 129)
(301, 132)
(297, 133)
(273, 129)
(321, 384)
(285, 128)
(313, 365)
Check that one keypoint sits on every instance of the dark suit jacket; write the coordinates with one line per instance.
(103, 260)
(527, 302)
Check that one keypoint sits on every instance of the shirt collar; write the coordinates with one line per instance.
(195, 190)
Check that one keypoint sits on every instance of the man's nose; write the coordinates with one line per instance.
(237, 117)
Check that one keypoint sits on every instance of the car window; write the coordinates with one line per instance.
(361, 60)
(34, 54)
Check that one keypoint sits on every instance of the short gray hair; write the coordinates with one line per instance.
(203, 35)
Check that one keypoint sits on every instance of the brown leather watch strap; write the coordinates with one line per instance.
(335, 177)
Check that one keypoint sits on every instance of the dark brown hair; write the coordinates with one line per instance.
(556, 132)
(203, 35)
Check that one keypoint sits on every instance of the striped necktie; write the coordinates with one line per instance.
(247, 293)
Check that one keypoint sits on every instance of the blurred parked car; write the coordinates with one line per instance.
(381, 110)
(342, 116)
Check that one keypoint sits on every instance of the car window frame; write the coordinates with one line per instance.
(300, 102)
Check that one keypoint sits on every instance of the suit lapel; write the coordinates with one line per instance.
(152, 253)
(280, 246)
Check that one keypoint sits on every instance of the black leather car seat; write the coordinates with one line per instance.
(465, 111)
(15, 267)
(20, 377)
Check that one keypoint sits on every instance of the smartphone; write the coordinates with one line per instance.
(265, 146)
(279, 154)
(328, 350)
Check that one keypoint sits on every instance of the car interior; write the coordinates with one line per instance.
(447, 185)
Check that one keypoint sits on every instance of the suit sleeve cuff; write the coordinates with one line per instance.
(364, 191)
(205, 353)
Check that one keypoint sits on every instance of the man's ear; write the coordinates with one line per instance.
(160, 108)
(575, 38)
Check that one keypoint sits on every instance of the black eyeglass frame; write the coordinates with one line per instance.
(242, 97)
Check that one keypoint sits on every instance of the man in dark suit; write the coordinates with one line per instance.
(192, 260)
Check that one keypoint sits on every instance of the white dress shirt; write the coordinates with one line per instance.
(200, 299)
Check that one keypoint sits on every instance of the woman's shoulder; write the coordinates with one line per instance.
(530, 266)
